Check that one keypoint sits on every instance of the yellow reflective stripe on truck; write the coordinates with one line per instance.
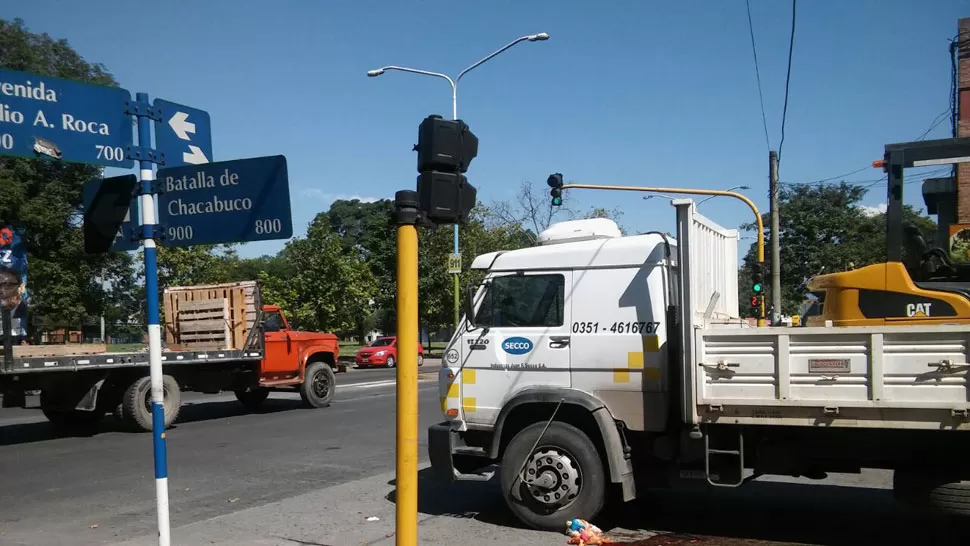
(468, 377)
(634, 361)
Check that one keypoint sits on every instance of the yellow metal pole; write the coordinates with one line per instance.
(690, 191)
(406, 516)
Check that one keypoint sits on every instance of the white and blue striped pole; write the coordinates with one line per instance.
(147, 206)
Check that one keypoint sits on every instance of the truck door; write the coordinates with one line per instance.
(281, 354)
(520, 339)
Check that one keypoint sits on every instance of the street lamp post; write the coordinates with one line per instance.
(542, 36)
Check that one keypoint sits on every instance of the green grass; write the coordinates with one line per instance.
(126, 347)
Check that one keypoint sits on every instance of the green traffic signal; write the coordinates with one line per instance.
(757, 287)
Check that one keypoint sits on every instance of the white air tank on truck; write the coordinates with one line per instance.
(597, 364)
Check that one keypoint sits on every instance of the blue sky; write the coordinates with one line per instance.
(628, 92)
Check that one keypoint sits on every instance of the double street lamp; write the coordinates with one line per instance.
(542, 36)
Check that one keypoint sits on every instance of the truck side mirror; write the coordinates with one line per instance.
(469, 304)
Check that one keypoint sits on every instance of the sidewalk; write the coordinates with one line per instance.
(470, 516)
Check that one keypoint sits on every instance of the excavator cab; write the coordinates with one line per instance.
(919, 283)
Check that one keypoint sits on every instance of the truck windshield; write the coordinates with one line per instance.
(382, 342)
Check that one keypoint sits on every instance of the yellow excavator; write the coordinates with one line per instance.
(919, 286)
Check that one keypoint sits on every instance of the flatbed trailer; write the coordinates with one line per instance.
(79, 388)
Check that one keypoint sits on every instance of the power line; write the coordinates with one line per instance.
(940, 118)
(791, 46)
(913, 179)
(757, 73)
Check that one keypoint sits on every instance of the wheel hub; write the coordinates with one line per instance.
(321, 385)
(553, 478)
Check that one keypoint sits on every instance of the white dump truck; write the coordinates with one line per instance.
(598, 364)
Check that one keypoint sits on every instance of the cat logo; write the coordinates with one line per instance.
(919, 310)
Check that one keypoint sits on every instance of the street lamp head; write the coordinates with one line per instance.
(743, 188)
(542, 36)
(375, 73)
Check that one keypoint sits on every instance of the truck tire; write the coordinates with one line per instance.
(318, 385)
(252, 399)
(136, 405)
(939, 490)
(70, 420)
(568, 469)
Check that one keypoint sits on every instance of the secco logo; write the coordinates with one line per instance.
(517, 345)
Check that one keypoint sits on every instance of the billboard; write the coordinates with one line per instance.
(13, 278)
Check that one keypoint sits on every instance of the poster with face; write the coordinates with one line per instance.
(13, 277)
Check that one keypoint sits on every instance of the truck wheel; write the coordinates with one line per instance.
(136, 406)
(73, 419)
(563, 478)
(318, 385)
(69, 419)
(939, 490)
(252, 399)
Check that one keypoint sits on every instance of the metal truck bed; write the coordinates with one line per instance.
(121, 360)
(877, 377)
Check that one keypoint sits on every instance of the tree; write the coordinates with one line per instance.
(329, 290)
(531, 212)
(44, 198)
(823, 230)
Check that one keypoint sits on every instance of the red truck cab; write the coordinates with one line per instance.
(293, 358)
(383, 352)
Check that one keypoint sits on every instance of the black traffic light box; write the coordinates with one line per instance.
(106, 202)
(445, 149)
(445, 145)
(555, 182)
(757, 286)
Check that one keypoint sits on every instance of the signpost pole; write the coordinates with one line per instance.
(147, 177)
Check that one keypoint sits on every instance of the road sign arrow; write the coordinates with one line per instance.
(196, 156)
(182, 127)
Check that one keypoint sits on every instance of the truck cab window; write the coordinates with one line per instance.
(272, 322)
(523, 301)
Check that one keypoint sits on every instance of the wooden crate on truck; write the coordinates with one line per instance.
(215, 316)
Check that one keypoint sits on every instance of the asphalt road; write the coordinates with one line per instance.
(316, 475)
(221, 460)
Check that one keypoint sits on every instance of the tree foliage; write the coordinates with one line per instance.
(44, 198)
(823, 230)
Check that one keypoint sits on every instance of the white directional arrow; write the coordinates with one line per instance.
(180, 124)
(195, 157)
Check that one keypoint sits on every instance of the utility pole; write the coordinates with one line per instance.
(775, 239)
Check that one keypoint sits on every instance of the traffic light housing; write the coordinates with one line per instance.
(445, 149)
(757, 286)
(555, 182)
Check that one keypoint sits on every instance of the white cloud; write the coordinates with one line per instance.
(873, 210)
(317, 193)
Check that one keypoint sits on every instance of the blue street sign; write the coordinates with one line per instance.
(225, 202)
(109, 208)
(183, 134)
(67, 120)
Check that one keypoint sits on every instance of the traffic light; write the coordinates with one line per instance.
(757, 286)
(555, 182)
(445, 149)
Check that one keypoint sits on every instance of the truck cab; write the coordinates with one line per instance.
(288, 351)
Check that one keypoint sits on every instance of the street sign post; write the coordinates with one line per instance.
(226, 202)
(183, 134)
(108, 205)
(65, 120)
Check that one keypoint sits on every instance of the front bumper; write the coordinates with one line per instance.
(444, 443)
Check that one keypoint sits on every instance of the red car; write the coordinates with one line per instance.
(383, 352)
